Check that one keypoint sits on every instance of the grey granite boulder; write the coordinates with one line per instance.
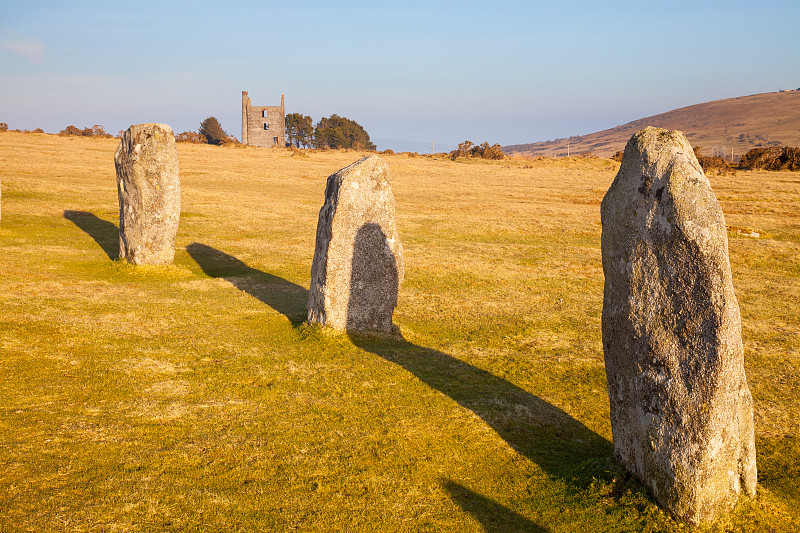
(681, 410)
(358, 258)
(149, 194)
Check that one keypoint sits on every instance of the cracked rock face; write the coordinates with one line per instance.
(149, 194)
(681, 410)
(358, 258)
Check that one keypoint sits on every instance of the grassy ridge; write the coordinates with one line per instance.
(193, 397)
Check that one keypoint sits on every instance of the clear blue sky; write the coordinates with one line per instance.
(503, 71)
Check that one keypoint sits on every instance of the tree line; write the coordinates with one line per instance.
(329, 132)
(301, 132)
(341, 132)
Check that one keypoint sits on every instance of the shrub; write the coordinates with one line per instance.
(230, 140)
(99, 131)
(714, 164)
(484, 151)
(463, 150)
(617, 156)
(191, 137)
(70, 130)
(3, 126)
(95, 131)
(494, 151)
(772, 158)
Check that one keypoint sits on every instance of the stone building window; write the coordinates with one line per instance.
(264, 113)
(276, 141)
(266, 125)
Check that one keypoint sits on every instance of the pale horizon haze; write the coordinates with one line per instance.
(411, 73)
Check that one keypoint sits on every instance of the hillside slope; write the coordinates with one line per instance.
(742, 123)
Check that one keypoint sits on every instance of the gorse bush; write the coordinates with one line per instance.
(191, 137)
(772, 158)
(483, 151)
(714, 164)
(95, 131)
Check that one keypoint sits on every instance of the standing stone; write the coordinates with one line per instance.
(149, 194)
(358, 258)
(681, 410)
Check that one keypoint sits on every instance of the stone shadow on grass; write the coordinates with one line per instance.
(285, 297)
(104, 233)
(494, 518)
(547, 435)
(533, 427)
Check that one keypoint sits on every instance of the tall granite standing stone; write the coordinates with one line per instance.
(681, 410)
(149, 194)
(358, 258)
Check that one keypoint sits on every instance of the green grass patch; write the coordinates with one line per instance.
(194, 397)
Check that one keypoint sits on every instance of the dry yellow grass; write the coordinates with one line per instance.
(192, 397)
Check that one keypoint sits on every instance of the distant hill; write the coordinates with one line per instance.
(768, 119)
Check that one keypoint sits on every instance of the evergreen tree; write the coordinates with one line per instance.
(211, 129)
(299, 129)
(341, 132)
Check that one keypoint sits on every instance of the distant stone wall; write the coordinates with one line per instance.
(263, 126)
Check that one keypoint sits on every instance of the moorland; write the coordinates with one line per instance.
(195, 398)
(731, 126)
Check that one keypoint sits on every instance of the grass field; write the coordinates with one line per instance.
(194, 397)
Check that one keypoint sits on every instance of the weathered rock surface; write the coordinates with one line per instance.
(358, 258)
(149, 194)
(681, 410)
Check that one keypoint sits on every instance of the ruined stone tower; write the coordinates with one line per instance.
(263, 126)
